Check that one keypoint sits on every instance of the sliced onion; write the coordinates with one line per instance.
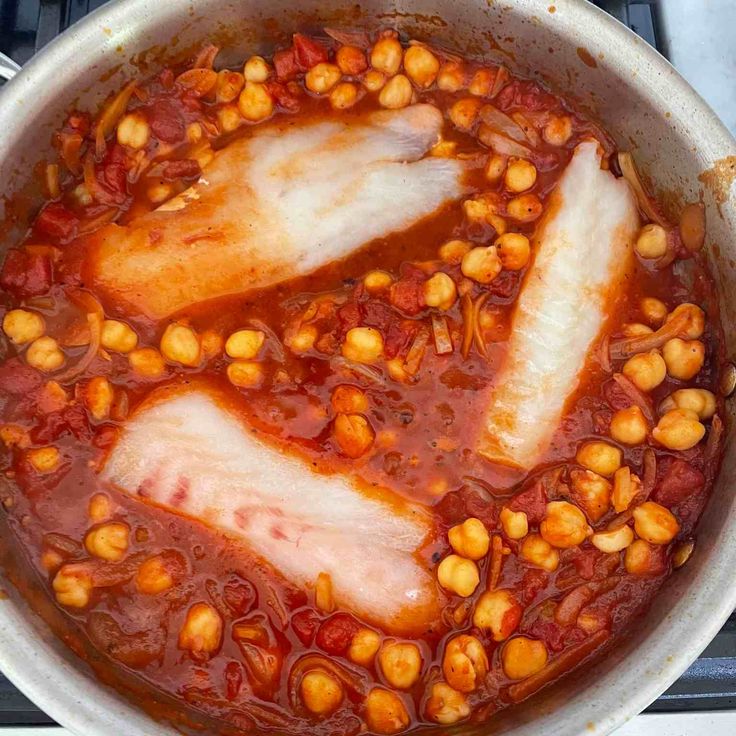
(416, 352)
(648, 476)
(636, 395)
(368, 372)
(502, 123)
(112, 112)
(529, 130)
(480, 343)
(629, 346)
(441, 334)
(349, 38)
(646, 202)
(466, 307)
(558, 666)
(495, 563)
(95, 316)
(502, 76)
(568, 609)
(713, 447)
(205, 59)
(310, 662)
(502, 144)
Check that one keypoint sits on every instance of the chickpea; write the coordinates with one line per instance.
(351, 60)
(458, 575)
(639, 558)
(401, 664)
(654, 310)
(564, 525)
(44, 459)
(495, 167)
(22, 326)
(451, 76)
(446, 705)
(353, 434)
(245, 344)
(73, 586)
(51, 560)
(558, 130)
(498, 612)
(479, 209)
(377, 281)
(229, 85)
(515, 523)
(322, 77)
(256, 69)
(14, 436)
(373, 80)
(464, 113)
(592, 492)
(153, 577)
(228, 120)
(180, 344)
(453, 251)
(302, 340)
(255, 103)
(465, 663)
(385, 712)
(522, 657)
(363, 345)
(44, 354)
(699, 400)
(695, 322)
(628, 426)
(117, 336)
(440, 291)
(600, 457)
(194, 132)
(108, 541)
(646, 370)
(364, 647)
(147, 362)
(655, 523)
(245, 374)
(513, 250)
(348, 399)
(321, 693)
(679, 429)
(626, 487)
(386, 56)
(443, 149)
(421, 66)
(539, 552)
(98, 508)
(480, 84)
(202, 629)
(613, 541)
(684, 359)
(520, 175)
(651, 241)
(524, 208)
(98, 395)
(343, 96)
(481, 264)
(133, 131)
(470, 539)
(211, 343)
(636, 329)
(396, 93)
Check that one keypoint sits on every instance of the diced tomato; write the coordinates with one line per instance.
(26, 274)
(335, 634)
(397, 338)
(167, 78)
(505, 285)
(56, 221)
(679, 480)
(532, 501)
(305, 624)
(112, 174)
(18, 378)
(377, 314)
(72, 419)
(584, 562)
(556, 637)
(526, 94)
(350, 316)
(186, 168)
(533, 582)
(285, 64)
(286, 97)
(166, 121)
(239, 596)
(308, 52)
(233, 679)
(407, 294)
(615, 396)
(79, 122)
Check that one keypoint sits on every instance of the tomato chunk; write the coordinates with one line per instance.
(679, 481)
(308, 52)
(57, 221)
(26, 274)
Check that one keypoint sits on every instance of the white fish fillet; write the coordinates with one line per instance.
(182, 450)
(281, 203)
(583, 256)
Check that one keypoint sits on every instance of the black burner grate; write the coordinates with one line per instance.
(710, 684)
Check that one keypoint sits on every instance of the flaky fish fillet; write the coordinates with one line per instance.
(583, 256)
(184, 451)
(281, 203)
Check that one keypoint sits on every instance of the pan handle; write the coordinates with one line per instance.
(8, 68)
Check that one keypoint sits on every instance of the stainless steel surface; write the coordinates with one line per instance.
(637, 95)
(8, 68)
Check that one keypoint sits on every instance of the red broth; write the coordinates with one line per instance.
(280, 659)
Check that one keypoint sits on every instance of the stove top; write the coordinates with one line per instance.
(710, 684)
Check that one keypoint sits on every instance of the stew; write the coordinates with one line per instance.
(359, 388)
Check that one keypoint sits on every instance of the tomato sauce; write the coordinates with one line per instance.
(424, 407)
